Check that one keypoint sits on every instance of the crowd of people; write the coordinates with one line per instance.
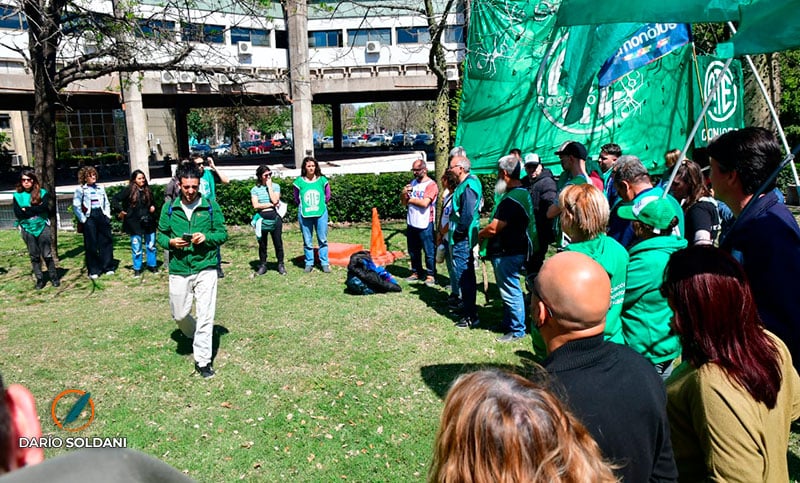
(670, 336)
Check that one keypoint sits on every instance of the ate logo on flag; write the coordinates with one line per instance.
(602, 105)
(725, 97)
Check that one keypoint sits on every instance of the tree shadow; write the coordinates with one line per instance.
(439, 377)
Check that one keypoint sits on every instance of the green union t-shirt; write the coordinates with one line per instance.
(614, 259)
(312, 196)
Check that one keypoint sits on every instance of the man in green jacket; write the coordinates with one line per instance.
(646, 315)
(192, 228)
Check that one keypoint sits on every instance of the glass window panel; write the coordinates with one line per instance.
(413, 35)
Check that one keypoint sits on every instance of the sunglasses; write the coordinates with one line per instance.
(26, 180)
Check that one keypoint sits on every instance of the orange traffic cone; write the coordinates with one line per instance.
(377, 247)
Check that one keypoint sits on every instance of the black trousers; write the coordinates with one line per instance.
(276, 235)
(98, 243)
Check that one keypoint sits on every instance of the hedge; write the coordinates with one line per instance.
(352, 197)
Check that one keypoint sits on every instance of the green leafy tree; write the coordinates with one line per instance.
(200, 123)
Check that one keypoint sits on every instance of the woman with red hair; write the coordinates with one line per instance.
(732, 400)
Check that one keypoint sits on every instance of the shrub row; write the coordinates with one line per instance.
(352, 197)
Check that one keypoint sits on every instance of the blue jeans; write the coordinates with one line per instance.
(143, 243)
(464, 272)
(307, 225)
(421, 239)
(448, 258)
(507, 270)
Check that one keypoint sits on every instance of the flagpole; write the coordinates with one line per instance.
(696, 126)
(772, 112)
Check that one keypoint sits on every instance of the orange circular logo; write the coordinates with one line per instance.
(74, 419)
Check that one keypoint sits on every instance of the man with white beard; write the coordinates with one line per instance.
(508, 241)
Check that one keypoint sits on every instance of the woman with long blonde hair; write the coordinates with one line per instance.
(499, 427)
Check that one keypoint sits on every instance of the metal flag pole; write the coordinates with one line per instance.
(696, 126)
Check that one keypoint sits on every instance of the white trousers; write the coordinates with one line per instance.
(200, 288)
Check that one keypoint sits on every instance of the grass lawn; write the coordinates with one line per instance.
(312, 384)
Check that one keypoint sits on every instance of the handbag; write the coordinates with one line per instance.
(268, 225)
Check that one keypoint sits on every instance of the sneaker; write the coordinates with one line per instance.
(510, 337)
(137, 273)
(206, 371)
(326, 268)
(94, 276)
(281, 269)
(262, 269)
(153, 269)
(39, 283)
(109, 272)
(430, 281)
(413, 278)
(467, 323)
(56, 282)
(220, 274)
(309, 268)
(454, 303)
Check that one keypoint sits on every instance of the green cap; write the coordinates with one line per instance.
(652, 211)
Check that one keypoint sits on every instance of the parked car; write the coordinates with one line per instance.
(200, 149)
(281, 144)
(422, 140)
(400, 140)
(256, 147)
(348, 142)
(376, 141)
(223, 149)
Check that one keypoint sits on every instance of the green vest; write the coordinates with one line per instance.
(34, 226)
(522, 197)
(474, 184)
(312, 196)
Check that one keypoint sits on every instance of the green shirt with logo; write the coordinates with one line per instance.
(312, 196)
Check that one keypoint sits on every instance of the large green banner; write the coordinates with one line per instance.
(512, 96)
(726, 111)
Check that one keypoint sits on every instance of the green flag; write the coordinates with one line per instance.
(765, 27)
(726, 111)
(595, 12)
(512, 96)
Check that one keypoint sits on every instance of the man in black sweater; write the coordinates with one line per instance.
(613, 390)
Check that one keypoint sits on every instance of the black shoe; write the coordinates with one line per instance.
(510, 337)
(467, 323)
(137, 273)
(281, 269)
(262, 269)
(39, 283)
(220, 273)
(206, 371)
(56, 282)
(153, 269)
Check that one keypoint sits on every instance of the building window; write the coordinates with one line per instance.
(5, 121)
(325, 38)
(281, 39)
(413, 35)
(158, 29)
(255, 36)
(360, 37)
(12, 18)
(195, 32)
(93, 132)
(454, 34)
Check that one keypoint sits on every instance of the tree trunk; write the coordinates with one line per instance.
(756, 111)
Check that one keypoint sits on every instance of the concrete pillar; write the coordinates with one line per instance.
(299, 79)
(336, 118)
(182, 132)
(136, 123)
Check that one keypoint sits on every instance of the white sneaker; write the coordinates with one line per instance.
(94, 276)
(110, 272)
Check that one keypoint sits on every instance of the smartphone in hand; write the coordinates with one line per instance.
(187, 237)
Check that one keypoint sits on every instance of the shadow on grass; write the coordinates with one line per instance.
(440, 377)
(183, 344)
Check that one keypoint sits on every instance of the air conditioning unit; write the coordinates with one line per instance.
(186, 77)
(223, 79)
(202, 78)
(169, 77)
(90, 47)
(452, 74)
(245, 48)
(373, 47)
(16, 160)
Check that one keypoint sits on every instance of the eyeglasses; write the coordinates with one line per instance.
(26, 180)
(456, 166)
(417, 170)
(535, 292)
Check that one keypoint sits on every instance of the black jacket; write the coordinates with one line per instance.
(543, 192)
(138, 219)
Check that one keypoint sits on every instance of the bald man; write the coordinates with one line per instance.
(612, 389)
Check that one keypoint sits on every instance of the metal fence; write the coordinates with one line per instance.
(64, 213)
